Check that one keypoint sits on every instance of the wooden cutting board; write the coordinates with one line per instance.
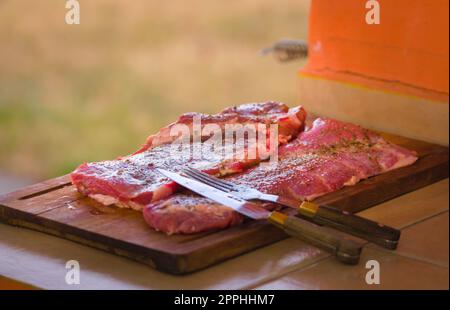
(55, 207)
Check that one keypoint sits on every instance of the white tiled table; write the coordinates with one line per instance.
(421, 260)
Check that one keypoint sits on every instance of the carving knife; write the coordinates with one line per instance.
(346, 250)
(360, 227)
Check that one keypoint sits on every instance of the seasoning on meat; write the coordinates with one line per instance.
(133, 182)
(323, 159)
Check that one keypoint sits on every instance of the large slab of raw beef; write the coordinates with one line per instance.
(290, 121)
(322, 159)
(133, 182)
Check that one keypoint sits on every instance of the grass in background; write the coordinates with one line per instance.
(94, 91)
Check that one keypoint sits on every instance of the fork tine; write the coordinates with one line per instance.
(207, 179)
(203, 176)
(212, 178)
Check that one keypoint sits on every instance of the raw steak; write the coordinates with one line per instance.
(290, 121)
(323, 159)
(132, 181)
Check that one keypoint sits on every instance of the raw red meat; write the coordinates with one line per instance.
(290, 121)
(133, 182)
(189, 213)
(323, 159)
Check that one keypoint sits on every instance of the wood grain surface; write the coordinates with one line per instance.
(55, 207)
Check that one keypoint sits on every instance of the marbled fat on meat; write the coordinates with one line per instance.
(133, 182)
(323, 159)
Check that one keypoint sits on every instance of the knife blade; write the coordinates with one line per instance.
(240, 205)
(346, 250)
(360, 227)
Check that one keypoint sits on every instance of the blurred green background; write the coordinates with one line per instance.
(94, 91)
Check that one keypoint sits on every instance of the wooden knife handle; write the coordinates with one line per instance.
(377, 233)
(345, 250)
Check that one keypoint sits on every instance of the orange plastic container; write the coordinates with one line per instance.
(408, 52)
